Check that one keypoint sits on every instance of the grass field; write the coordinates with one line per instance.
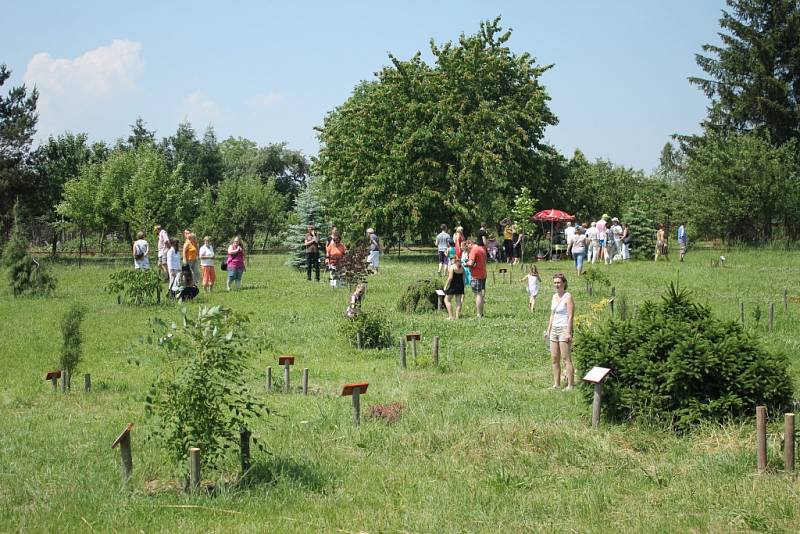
(484, 444)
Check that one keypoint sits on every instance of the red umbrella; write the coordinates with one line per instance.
(552, 215)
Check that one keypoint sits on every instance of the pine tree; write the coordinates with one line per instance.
(308, 210)
(25, 274)
(642, 229)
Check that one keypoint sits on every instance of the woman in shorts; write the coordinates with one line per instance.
(559, 331)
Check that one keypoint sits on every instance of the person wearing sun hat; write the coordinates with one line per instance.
(374, 249)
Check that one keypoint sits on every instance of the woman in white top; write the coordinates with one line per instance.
(559, 330)
(140, 251)
(173, 261)
(207, 264)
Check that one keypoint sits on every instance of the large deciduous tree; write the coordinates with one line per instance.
(452, 141)
(754, 75)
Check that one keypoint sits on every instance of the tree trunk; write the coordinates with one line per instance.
(54, 248)
(80, 248)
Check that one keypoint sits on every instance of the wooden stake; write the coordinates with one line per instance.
(785, 299)
(194, 468)
(64, 381)
(598, 393)
(494, 279)
(357, 406)
(414, 350)
(403, 353)
(286, 377)
(119, 299)
(761, 438)
(269, 379)
(590, 289)
(305, 381)
(788, 442)
(54, 383)
(611, 302)
(771, 315)
(435, 350)
(741, 312)
(125, 456)
(87, 383)
(358, 340)
(244, 437)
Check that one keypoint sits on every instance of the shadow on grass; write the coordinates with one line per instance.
(286, 471)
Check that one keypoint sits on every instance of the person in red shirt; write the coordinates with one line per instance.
(477, 265)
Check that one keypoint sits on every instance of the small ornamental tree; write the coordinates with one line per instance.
(71, 350)
(25, 274)
(200, 397)
(308, 208)
(353, 267)
(524, 209)
(140, 287)
(677, 364)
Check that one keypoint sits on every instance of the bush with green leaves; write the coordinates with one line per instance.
(595, 277)
(201, 396)
(71, 350)
(676, 363)
(139, 287)
(420, 296)
(25, 274)
(374, 326)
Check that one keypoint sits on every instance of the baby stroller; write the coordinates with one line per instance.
(183, 287)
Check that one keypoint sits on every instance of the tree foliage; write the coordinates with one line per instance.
(677, 363)
(308, 209)
(25, 274)
(17, 126)
(71, 346)
(754, 75)
(200, 397)
(449, 141)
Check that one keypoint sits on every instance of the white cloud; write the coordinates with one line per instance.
(266, 100)
(73, 91)
(200, 109)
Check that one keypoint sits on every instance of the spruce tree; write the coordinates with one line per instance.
(308, 210)
(642, 229)
(25, 274)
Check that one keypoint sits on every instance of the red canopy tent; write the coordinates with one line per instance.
(552, 215)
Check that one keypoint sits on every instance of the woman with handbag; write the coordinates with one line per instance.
(235, 263)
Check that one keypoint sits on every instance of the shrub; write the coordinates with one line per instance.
(420, 296)
(374, 326)
(138, 286)
(25, 274)
(596, 277)
(200, 398)
(71, 333)
(353, 267)
(676, 363)
(389, 413)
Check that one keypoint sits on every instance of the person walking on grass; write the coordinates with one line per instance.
(477, 265)
(312, 244)
(173, 261)
(579, 244)
(374, 249)
(163, 247)
(235, 262)
(682, 241)
(442, 240)
(533, 280)
(559, 331)
(335, 252)
(661, 242)
(190, 253)
(141, 250)
(454, 289)
(207, 264)
(593, 239)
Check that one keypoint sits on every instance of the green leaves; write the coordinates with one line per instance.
(139, 287)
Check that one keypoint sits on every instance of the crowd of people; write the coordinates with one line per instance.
(185, 265)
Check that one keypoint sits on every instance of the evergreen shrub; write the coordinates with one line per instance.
(25, 274)
(676, 363)
(420, 297)
(373, 324)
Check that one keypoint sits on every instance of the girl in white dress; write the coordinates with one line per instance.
(533, 280)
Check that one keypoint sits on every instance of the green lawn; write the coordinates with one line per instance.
(484, 444)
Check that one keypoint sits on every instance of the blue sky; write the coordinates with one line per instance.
(270, 71)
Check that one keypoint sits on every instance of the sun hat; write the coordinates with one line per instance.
(605, 216)
(370, 230)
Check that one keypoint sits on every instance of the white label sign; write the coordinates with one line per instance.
(596, 375)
